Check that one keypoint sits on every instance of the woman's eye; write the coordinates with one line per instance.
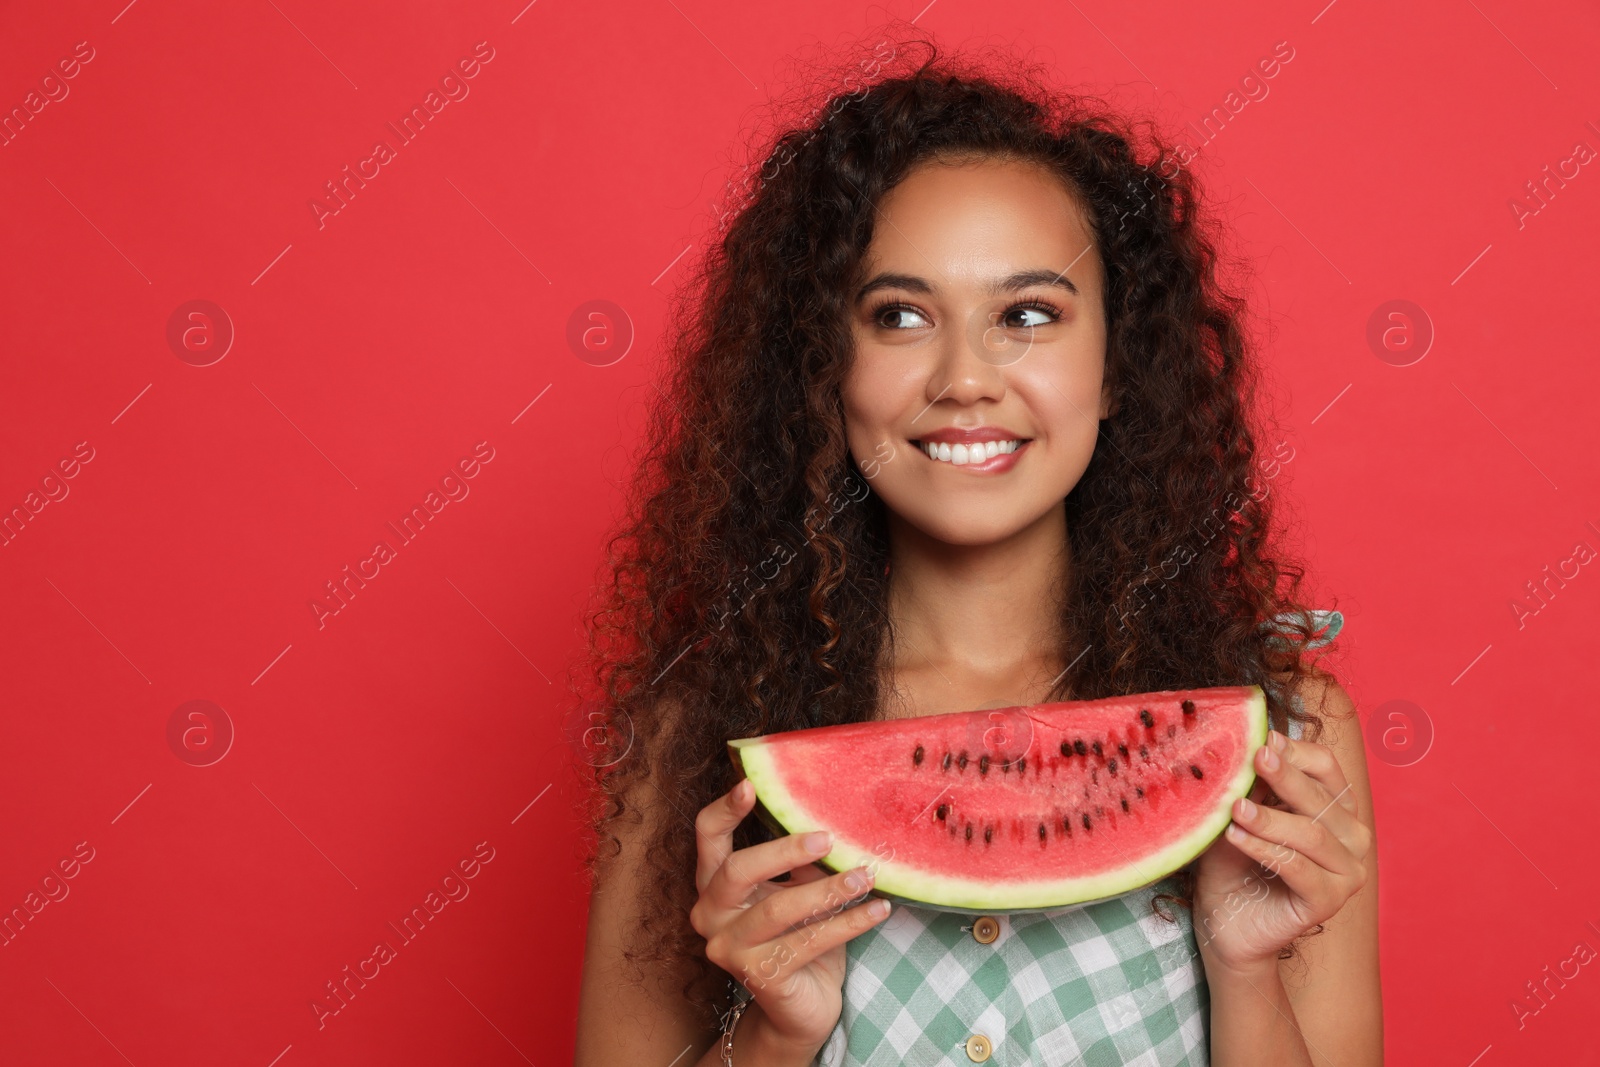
(903, 317)
(1009, 317)
(894, 318)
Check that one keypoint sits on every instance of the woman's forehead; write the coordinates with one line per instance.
(974, 224)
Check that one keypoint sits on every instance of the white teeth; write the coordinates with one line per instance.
(964, 454)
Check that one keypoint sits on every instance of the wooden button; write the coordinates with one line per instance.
(978, 1048)
(985, 930)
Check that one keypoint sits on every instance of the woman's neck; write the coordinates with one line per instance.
(976, 619)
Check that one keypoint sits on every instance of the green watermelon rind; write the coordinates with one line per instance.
(900, 882)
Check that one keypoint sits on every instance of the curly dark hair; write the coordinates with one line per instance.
(749, 581)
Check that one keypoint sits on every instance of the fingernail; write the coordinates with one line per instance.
(1270, 760)
(878, 908)
(744, 790)
(1246, 808)
(1276, 740)
(855, 881)
(818, 842)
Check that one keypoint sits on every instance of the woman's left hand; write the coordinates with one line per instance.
(1277, 872)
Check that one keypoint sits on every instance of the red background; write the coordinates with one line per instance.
(374, 752)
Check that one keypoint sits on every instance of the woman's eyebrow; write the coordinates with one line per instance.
(1022, 279)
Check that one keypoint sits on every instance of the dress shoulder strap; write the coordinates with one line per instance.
(1325, 627)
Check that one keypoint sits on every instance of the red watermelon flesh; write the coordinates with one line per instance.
(1020, 808)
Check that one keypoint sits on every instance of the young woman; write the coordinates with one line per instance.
(959, 417)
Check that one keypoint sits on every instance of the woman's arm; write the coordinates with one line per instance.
(1325, 1007)
(1334, 986)
(621, 1022)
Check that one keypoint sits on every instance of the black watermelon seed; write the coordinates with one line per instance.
(969, 831)
(944, 810)
(983, 764)
(947, 761)
(1188, 707)
(1022, 764)
(1041, 832)
(1112, 767)
(1080, 748)
(1124, 803)
(1172, 731)
(1144, 753)
(1005, 765)
(1196, 771)
(988, 834)
(961, 761)
(1138, 790)
(1124, 750)
(1096, 747)
(1066, 748)
(916, 757)
(1144, 717)
(1086, 820)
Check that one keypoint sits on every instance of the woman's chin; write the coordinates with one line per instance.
(983, 526)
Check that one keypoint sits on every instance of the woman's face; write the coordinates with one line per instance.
(981, 317)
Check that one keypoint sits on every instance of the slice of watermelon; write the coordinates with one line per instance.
(1021, 808)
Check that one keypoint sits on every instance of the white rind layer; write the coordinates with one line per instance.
(946, 892)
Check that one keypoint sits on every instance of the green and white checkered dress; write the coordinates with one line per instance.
(1101, 985)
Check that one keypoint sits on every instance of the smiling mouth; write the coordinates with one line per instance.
(964, 454)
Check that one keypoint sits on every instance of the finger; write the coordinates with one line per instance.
(794, 907)
(714, 826)
(1280, 861)
(1316, 885)
(1318, 762)
(1261, 790)
(1297, 833)
(809, 873)
(768, 962)
(731, 883)
(1301, 775)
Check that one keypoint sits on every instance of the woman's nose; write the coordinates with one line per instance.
(972, 360)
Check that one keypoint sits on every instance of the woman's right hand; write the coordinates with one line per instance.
(783, 940)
